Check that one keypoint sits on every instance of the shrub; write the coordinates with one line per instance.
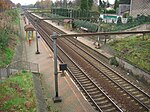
(90, 26)
(113, 61)
(110, 11)
(130, 19)
(3, 39)
(119, 20)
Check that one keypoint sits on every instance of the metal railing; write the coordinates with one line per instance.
(17, 66)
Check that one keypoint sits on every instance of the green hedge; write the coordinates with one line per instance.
(90, 26)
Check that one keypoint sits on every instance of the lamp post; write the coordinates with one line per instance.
(56, 98)
(37, 45)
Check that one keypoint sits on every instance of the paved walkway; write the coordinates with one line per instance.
(72, 98)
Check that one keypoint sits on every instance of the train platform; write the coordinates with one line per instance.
(72, 98)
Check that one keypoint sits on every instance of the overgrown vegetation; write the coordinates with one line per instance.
(134, 49)
(17, 94)
(6, 57)
(132, 22)
(89, 26)
(8, 32)
(113, 61)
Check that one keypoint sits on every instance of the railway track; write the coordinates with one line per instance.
(123, 87)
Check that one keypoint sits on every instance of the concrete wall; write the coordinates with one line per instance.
(134, 69)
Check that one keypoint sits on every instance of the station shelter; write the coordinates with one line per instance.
(67, 23)
(29, 31)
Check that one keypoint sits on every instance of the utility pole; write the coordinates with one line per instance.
(98, 39)
(56, 98)
(71, 20)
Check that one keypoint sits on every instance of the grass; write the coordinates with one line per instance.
(134, 49)
(17, 94)
(6, 57)
(8, 34)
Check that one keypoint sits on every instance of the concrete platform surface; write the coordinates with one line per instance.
(72, 98)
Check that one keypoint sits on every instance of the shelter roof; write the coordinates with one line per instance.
(29, 28)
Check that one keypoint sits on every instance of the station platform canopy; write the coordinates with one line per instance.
(29, 28)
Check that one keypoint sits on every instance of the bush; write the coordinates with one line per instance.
(130, 19)
(3, 39)
(113, 61)
(90, 26)
(110, 11)
(119, 20)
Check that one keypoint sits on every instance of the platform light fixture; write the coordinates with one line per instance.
(37, 45)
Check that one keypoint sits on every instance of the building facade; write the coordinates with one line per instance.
(123, 8)
(140, 7)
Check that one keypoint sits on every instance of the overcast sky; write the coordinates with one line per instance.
(26, 2)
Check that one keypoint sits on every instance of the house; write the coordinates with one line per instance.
(109, 18)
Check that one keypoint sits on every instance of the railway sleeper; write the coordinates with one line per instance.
(128, 87)
(121, 82)
(92, 89)
(111, 110)
(111, 75)
(126, 84)
(89, 87)
(87, 83)
(75, 71)
(104, 102)
(116, 78)
(99, 99)
(144, 99)
(132, 90)
(80, 75)
(147, 102)
(135, 92)
(139, 95)
(109, 105)
(96, 96)
(84, 80)
(93, 92)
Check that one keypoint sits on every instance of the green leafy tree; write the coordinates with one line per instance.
(86, 4)
(83, 5)
(90, 4)
(102, 6)
(124, 1)
(116, 4)
(119, 20)
(107, 4)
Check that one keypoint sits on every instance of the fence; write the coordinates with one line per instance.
(18, 66)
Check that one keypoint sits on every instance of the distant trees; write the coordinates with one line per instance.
(116, 4)
(103, 5)
(43, 4)
(83, 5)
(124, 1)
(86, 4)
